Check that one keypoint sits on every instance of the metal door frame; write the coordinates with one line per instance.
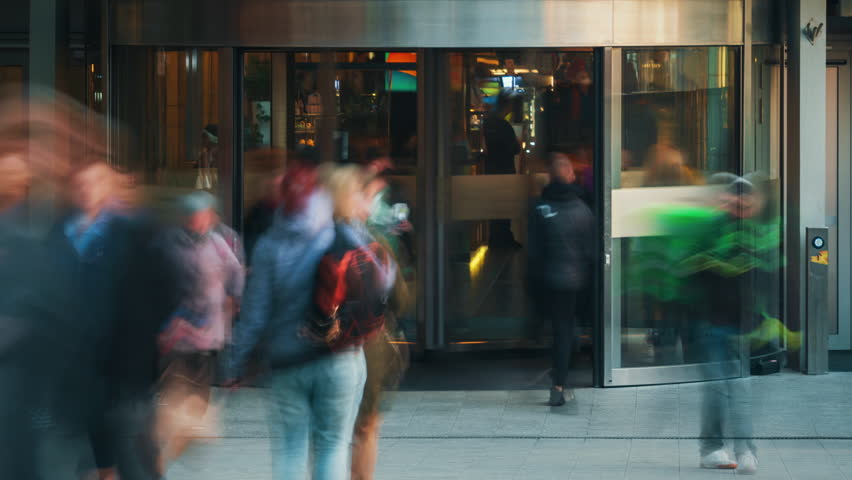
(840, 223)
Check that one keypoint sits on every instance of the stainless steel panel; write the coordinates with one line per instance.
(832, 186)
(842, 106)
(817, 298)
(427, 23)
(677, 22)
(364, 24)
(611, 314)
(694, 372)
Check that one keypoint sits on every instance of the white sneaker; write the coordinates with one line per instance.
(718, 460)
(747, 464)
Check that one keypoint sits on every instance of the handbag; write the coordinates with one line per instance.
(184, 413)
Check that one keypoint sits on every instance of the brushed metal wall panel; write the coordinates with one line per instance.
(363, 23)
(434, 23)
(677, 22)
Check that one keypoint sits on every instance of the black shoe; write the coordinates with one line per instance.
(557, 399)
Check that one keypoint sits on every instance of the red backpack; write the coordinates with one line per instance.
(354, 279)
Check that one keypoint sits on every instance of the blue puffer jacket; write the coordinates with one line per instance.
(280, 289)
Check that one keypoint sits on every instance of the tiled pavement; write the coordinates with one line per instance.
(803, 427)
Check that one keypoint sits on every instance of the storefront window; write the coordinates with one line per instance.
(509, 109)
(344, 107)
(167, 106)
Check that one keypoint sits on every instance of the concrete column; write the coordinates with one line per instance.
(805, 167)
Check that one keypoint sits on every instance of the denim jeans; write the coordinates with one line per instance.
(724, 401)
(312, 414)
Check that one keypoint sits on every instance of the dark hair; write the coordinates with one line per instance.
(505, 98)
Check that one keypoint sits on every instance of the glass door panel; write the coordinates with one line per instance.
(674, 166)
(508, 109)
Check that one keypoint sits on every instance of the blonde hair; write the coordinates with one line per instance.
(343, 183)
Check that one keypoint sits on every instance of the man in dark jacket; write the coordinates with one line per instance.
(561, 248)
(501, 146)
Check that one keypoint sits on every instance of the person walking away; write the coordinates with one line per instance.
(316, 384)
(501, 146)
(210, 285)
(562, 244)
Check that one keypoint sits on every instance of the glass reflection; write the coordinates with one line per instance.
(508, 110)
(679, 127)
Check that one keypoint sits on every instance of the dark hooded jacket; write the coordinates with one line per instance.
(562, 240)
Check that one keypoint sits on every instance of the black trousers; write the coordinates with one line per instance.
(500, 234)
(560, 306)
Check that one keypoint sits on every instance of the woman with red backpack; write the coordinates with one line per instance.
(314, 296)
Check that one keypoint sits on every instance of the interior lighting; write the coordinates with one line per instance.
(477, 260)
(487, 61)
(477, 342)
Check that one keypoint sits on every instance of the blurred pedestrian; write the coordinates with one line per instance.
(386, 354)
(21, 366)
(275, 308)
(316, 383)
(738, 255)
(210, 284)
(562, 244)
(91, 243)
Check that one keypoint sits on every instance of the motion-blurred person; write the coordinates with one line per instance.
(265, 166)
(20, 364)
(355, 279)
(727, 267)
(561, 249)
(91, 243)
(307, 381)
(317, 383)
(59, 322)
(210, 282)
(261, 215)
(386, 359)
(501, 146)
